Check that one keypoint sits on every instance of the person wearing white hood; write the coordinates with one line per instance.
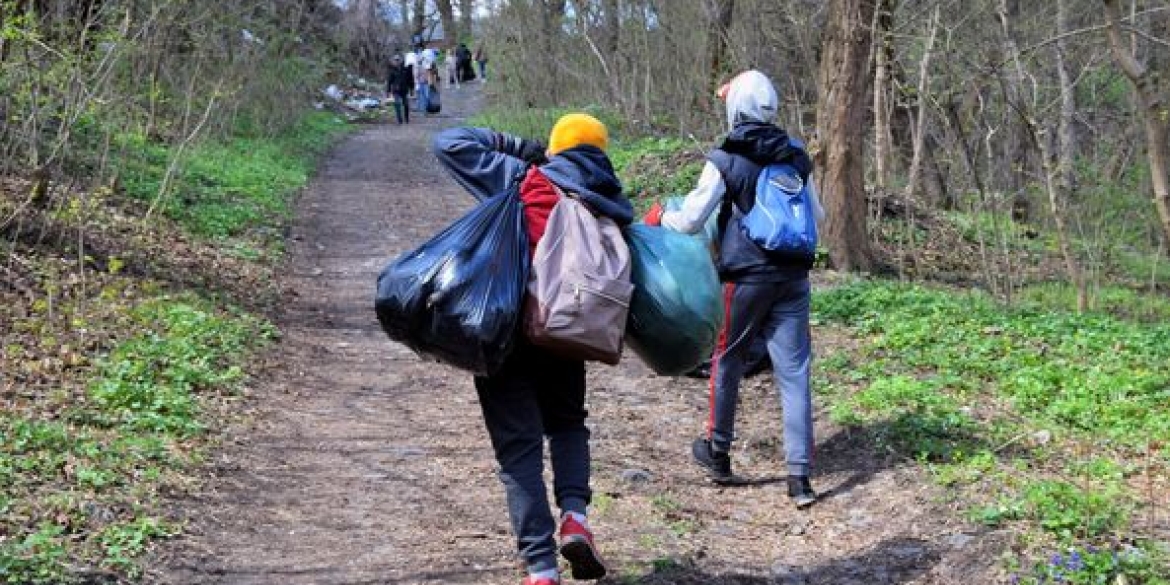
(765, 293)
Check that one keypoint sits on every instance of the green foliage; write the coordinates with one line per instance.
(34, 559)
(536, 123)
(654, 168)
(124, 541)
(915, 416)
(150, 382)
(1119, 301)
(1134, 565)
(226, 189)
(1090, 374)
(69, 487)
(960, 381)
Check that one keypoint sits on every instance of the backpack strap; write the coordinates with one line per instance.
(739, 179)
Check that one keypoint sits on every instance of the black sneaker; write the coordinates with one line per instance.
(800, 491)
(717, 464)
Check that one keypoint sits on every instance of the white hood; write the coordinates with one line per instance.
(751, 98)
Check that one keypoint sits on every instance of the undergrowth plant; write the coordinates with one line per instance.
(1041, 413)
(83, 487)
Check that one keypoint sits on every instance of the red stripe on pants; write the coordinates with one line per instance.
(720, 347)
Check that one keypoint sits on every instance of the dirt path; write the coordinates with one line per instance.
(364, 465)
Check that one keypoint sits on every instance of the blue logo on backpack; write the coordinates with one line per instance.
(781, 220)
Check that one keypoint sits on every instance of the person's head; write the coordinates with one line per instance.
(574, 130)
(396, 60)
(750, 97)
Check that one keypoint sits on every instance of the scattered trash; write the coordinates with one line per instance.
(358, 101)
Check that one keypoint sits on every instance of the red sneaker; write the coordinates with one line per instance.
(577, 547)
(530, 581)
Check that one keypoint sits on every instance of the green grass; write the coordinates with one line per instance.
(968, 387)
(1092, 375)
(81, 489)
(228, 189)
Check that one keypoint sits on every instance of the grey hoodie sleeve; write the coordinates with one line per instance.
(474, 157)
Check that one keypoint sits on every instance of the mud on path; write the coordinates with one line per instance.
(362, 464)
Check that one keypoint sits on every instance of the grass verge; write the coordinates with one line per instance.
(125, 335)
(1045, 422)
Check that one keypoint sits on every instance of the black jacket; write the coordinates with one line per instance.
(399, 81)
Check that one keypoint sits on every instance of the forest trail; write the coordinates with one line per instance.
(362, 464)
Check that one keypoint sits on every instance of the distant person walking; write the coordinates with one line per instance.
(398, 84)
(410, 61)
(451, 68)
(425, 77)
(481, 59)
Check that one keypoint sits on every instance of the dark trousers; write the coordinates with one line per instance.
(538, 395)
(401, 108)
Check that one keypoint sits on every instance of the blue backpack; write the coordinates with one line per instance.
(782, 219)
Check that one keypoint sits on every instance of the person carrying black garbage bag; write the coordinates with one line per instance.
(765, 293)
(538, 394)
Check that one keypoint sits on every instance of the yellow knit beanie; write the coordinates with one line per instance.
(577, 129)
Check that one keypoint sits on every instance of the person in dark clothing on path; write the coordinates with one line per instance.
(538, 395)
(464, 66)
(764, 294)
(398, 84)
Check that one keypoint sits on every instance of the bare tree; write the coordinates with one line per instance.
(1008, 12)
(447, 18)
(883, 140)
(467, 17)
(720, 13)
(419, 18)
(844, 77)
(1152, 110)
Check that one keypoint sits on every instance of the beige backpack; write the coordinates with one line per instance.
(579, 288)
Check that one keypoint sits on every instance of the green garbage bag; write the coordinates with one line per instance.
(677, 310)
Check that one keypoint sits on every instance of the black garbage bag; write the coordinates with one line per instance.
(676, 310)
(457, 298)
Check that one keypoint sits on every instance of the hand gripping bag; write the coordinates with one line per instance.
(457, 298)
(676, 310)
(710, 229)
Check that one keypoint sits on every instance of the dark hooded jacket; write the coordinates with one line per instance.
(740, 157)
(487, 163)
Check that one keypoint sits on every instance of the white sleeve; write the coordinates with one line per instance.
(699, 203)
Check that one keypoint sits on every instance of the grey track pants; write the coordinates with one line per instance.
(779, 312)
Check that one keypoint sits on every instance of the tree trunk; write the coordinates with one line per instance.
(467, 17)
(552, 12)
(719, 13)
(419, 21)
(447, 19)
(883, 51)
(1014, 154)
(1060, 179)
(920, 122)
(843, 82)
(1152, 110)
(613, 26)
